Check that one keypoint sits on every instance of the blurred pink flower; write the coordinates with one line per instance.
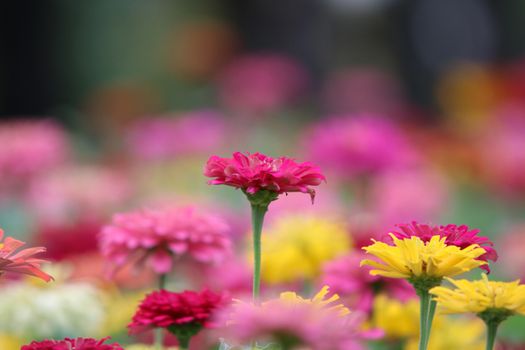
(80, 190)
(158, 237)
(30, 148)
(165, 137)
(255, 172)
(296, 325)
(356, 286)
(402, 195)
(22, 261)
(261, 83)
(461, 236)
(502, 150)
(512, 242)
(359, 145)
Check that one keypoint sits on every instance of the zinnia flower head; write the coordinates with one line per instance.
(460, 236)
(297, 323)
(399, 320)
(357, 286)
(296, 247)
(164, 309)
(22, 261)
(255, 172)
(72, 344)
(481, 296)
(160, 236)
(358, 145)
(411, 258)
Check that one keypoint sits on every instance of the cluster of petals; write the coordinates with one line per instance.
(356, 145)
(412, 257)
(164, 137)
(163, 309)
(357, 286)
(21, 261)
(159, 236)
(298, 323)
(481, 295)
(460, 236)
(255, 172)
(72, 344)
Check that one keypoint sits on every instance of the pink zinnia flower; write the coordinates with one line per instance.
(461, 236)
(356, 286)
(359, 145)
(22, 261)
(166, 137)
(72, 344)
(295, 325)
(255, 172)
(262, 83)
(164, 309)
(160, 236)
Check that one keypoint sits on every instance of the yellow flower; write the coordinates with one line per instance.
(411, 257)
(399, 320)
(454, 333)
(480, 296)
(8, 342)
(318, 300)
(297, 246)
(120, 308)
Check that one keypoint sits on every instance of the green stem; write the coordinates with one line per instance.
(258, 212)
(430, 318)
(159, 332)
(424, 299)
(184, 343)
(492, 329)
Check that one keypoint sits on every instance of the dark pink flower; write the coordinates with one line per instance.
(72, 344)
(159, 236)
(356, 286)
(22, 261)
(255, 172)
(461, 236)
(164, 309)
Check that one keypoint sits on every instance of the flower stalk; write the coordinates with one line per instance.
(258, 212)
(159, 332)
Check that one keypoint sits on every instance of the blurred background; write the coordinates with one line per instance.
(415, 110)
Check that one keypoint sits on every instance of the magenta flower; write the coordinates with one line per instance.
(22, 261)
(255, 172)
(165, 309)
(166, 137)
(461, 236)
(357, 287)
(158, 237)
(72, 344)
(359, 145)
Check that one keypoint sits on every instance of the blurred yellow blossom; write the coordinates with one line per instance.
(399, 320)
(8, 342)
(296, 247)
(454, 333)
